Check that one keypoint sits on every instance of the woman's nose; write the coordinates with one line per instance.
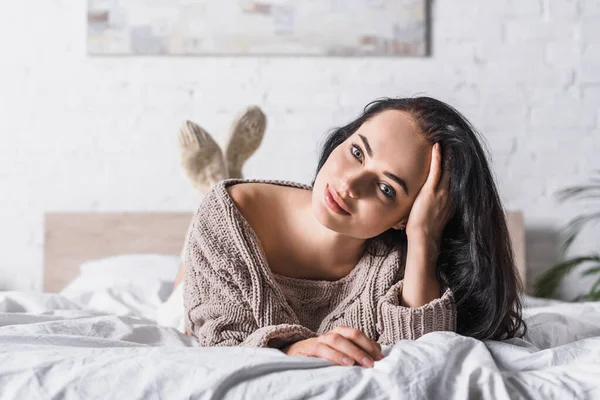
(348, 188)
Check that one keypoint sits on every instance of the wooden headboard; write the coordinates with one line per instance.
(73, 238)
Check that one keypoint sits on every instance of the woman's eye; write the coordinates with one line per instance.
(356, 152)
(387, 191)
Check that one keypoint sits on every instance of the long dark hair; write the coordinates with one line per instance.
(476, 258)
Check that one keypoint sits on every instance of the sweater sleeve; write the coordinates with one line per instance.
(219, 296)
(396, 322)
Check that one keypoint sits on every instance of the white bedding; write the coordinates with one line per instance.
(54, 347)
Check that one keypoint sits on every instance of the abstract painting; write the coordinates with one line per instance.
(267, 27)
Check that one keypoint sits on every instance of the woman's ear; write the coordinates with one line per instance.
(400, 224)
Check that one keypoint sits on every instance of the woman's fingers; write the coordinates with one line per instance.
(445, 195)
(358, 338)
(444, 181)
(324, 350)
(435, 167)
(342, 345)
(361, 340)
(349, 348)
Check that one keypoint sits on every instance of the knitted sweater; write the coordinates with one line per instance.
(232, 298)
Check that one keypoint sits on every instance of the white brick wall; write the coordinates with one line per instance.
(99, 133)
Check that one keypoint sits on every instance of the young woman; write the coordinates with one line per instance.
(401, 233)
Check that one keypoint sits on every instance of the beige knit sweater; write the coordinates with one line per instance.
(231, 297)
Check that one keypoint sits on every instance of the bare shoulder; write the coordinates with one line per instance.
(259, 202)
(244, 192)
(253, 200)
(241, 194)
(270, 210)
(245, 195)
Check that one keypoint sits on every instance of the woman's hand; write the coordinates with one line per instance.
(341, 345)
(433, 206)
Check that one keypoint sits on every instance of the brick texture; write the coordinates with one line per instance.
(81, 133)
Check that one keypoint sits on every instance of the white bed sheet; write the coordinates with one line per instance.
(53, 347)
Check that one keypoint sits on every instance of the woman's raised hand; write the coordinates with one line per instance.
(341, 345)
(433, 206)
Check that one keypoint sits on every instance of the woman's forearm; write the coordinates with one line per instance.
(420, 283)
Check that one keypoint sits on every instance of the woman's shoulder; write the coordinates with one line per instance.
(264, 203)
(233, 215)
(258, 195)
(255, 201)
(250, 193)
(257, 191)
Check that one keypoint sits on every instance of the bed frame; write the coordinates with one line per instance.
(73, 238)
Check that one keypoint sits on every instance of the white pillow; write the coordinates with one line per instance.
(126, 285)
(133, 266)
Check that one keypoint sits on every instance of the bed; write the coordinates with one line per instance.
(101, 329)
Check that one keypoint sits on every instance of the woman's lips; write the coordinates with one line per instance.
(332, 203)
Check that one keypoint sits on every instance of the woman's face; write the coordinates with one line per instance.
(377, 173)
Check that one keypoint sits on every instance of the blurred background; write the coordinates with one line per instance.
(90, 126)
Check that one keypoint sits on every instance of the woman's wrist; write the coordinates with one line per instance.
(420, 283)
(425, 245)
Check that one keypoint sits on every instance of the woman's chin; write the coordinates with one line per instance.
(323, 215)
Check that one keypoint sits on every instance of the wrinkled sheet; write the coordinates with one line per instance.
(51, 347)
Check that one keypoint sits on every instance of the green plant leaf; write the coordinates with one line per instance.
(587, 191)
(575, 226)
(591, 271)
(547, 284)
(582, 192)
(594, 296)
(595, 286)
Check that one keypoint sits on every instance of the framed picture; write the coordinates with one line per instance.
(248, 27)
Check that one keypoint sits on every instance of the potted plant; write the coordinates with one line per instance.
(548, 283)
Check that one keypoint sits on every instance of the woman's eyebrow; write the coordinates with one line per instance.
(395, 178)
(367, 145)
(398, 180)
